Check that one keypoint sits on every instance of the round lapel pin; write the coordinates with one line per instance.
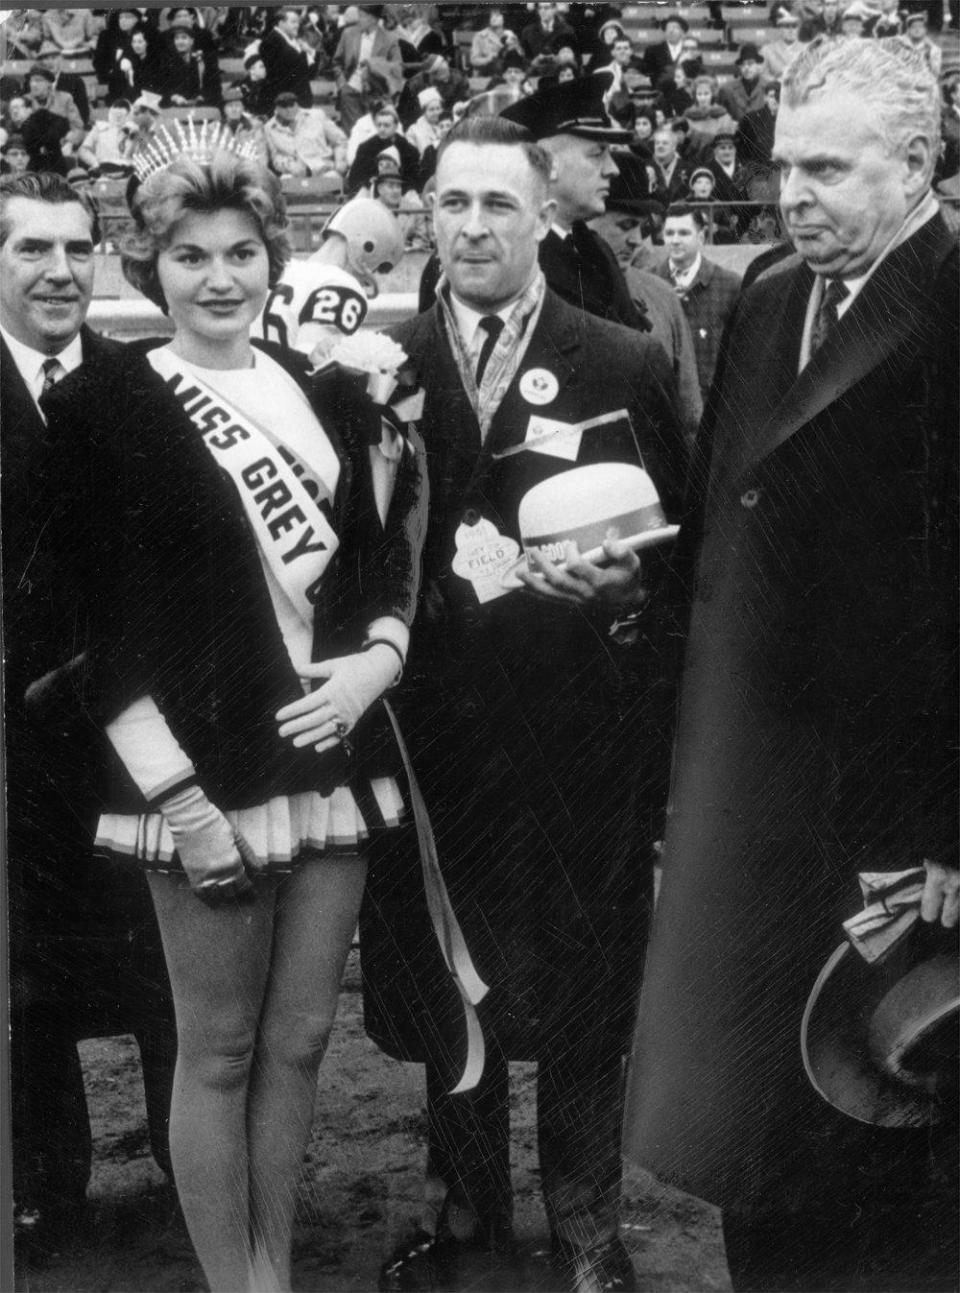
(539, 386)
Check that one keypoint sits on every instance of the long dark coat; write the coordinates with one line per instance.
(85, 954)
(534, 734)
(818, 712)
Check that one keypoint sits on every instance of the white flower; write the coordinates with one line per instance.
(369, 352)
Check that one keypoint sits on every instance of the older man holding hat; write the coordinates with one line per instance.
(534, 710)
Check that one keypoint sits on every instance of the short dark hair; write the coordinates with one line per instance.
(498, 130)
(44, 186)
(677, 210)
(286, 100)
(226, 183)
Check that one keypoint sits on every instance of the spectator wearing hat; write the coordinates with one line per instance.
(853, 21)
(139, 65)
(436, 73)
(661, 59)
(367, 65)
(23, 34)
(779, 54)
(73, 31)
(242, 125)
(106, 148)
(600, 47)
(744, 93)
(887, 22)
(186, 15)
(254, 88)
(16, 156)
(146, 117)
(289, 61)
(573, 126)
(629, 226)
(676, 93)
(514, 74)
(729, 180)
(15, 113)
(189, 77)
(530, 734)
(671, 176)
(51, 56)
(707, 292)
(491, 43)
(416, 30)
(112, 41)
(755, 133)
(54, 130)
(915, 37)
(304, 141)
(363, 168)
(425, 131)
(542, 38)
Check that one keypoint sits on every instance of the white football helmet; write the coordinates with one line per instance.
(373, 237)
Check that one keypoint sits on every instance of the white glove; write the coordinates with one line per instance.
(211, 851)
(354, 682)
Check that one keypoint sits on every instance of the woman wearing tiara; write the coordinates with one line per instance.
(248, 608)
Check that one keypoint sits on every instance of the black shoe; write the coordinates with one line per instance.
(425, 1263)
(39, 1231)
(607, 1268)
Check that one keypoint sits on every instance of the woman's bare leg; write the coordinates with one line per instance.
(218, 960)
(317, 908)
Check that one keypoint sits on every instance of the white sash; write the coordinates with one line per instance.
(291, 530)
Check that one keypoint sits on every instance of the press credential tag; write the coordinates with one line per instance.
(558, 439)
(483, 553)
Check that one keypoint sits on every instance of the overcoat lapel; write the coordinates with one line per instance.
(866, 335)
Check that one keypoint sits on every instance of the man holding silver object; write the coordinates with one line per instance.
(531, 703)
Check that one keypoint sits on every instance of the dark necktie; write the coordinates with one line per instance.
(53, 370)
(492, 325)
(834, 292)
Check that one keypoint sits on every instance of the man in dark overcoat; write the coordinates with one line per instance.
(533, 727)
(85, 953)
(817, 731)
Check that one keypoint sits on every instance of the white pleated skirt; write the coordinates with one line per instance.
(283, 831)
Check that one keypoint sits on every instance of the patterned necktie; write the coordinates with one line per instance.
(492, 325)
(834, 292)
(53, 370)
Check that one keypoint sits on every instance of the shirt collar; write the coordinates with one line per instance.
(926, 209)
(30, 362)
(684, 277)
(468, 319)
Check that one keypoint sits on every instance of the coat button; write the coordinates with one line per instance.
(750, 498)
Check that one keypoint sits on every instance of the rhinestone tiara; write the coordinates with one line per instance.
(193, 141)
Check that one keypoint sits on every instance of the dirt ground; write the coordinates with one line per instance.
(359, 1191)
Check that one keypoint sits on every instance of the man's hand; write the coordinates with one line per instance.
(941, 895)
(617, 584)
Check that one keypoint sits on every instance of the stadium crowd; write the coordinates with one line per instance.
(200, 628)
(312, 87)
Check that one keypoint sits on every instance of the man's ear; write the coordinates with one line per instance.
(920, 158)
(545, 218)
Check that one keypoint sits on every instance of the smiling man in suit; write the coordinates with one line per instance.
(817, 730)
(71, 924)
(535, 731)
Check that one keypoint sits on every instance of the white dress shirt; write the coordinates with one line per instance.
(468, 324)
(30, 362)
